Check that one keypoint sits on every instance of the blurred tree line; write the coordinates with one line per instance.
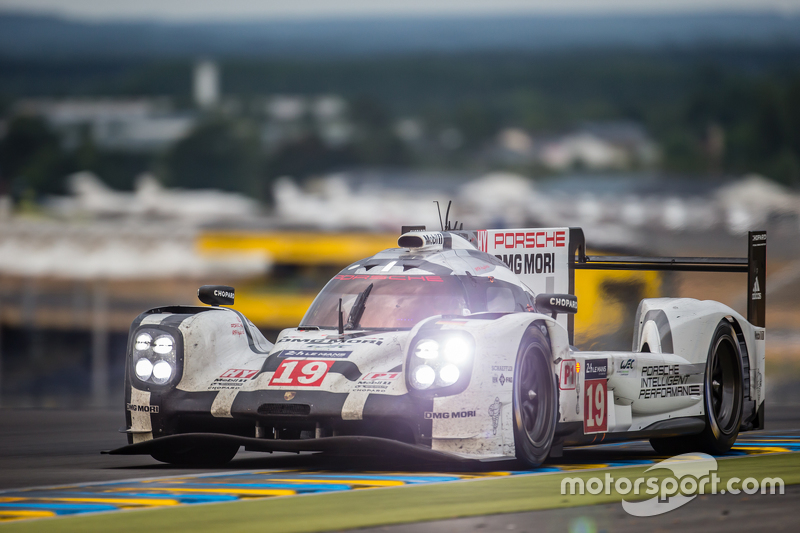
(714, 112)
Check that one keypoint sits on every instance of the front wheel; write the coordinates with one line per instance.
(535, 400)
(723, 396)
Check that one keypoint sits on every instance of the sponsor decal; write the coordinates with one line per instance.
(232, 379)
(665, 381)
(453, 414)
(567, 374)
(596, 368)
(756, 291)
(223, 294)
(760, 335)
(433, 238)
(529, 263)
(495, 409)
(502, 379)
(502, 368)
(350, 277)
(289, 395)
(626, 366)
(326, 342)
(376, 382)
(239, 373)
(386, 376)
(300, 373)
(564, 302)
(330, 354)
(760, 237)
(237, 329)
(132, 407)
(530, 239)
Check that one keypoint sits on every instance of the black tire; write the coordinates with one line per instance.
(723, 395)
(535, 399)
(216, 455)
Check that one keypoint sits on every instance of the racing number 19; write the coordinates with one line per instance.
(595, 412)
(300, 373)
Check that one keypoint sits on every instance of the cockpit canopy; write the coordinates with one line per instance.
(401, 301)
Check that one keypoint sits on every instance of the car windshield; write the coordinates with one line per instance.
(402, 301)
(393, 302)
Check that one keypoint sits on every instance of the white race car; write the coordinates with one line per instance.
(454, 345)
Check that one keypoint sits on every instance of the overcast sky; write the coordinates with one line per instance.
(180, 10)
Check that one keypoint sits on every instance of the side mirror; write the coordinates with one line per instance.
(556, 303)
(216, 295)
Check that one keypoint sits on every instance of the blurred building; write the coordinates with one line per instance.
(593, 146)
(140, 124)
(289, 118)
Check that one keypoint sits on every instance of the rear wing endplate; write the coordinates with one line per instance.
(755, 264)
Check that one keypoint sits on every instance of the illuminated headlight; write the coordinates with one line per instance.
(162, 371)
(154, 357)
(164, 344)
(449, 374)
(440, 362)
(456, 350)
(144, 368)
(143, 341)
(423, 377)
(427, 349)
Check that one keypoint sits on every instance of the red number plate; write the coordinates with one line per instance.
(300, 373)
(595, 410)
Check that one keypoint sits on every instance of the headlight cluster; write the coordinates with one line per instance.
(154, 356)
(440, 362)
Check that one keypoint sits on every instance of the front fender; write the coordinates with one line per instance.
(479, 420)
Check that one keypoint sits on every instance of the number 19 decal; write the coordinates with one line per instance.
(300, 373)
(595, 410)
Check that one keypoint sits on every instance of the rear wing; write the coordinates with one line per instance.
(755, 265)
(545, 259)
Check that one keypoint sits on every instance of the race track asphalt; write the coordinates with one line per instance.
(42, 448)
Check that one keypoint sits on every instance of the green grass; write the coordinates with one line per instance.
(374, 507)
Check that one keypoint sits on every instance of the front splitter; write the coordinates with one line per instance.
(348, 445)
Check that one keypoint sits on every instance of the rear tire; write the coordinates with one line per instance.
(723, 397)
(535, 399)
(216, 455)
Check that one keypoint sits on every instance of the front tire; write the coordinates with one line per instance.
(723, 396)
(535, 399)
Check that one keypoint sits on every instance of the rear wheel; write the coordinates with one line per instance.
(535, 401)
(208, 455)
(723, 395)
